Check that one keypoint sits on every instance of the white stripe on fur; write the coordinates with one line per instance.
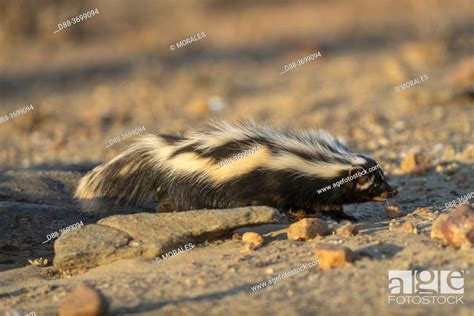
(301, 166)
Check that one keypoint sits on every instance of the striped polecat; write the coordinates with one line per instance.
(184, 172)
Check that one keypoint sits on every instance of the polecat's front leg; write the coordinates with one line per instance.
(336, 212)
(340, 216)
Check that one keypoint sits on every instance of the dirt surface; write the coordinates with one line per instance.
(115, 72)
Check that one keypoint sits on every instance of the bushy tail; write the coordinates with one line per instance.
(130, 178)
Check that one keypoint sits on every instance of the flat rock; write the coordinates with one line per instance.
(163, 232)
(91, 246)
(150, 235)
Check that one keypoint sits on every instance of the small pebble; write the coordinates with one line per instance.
(333, 256)
(308, 228)
(347, 230)
(269, 271)
(415, 163)
(393, 211)
(253, 238)
(424, 212)
(402, 228)
(39, 262)
(134, 244)
(448, 169)
(201, 281)
(84, 300)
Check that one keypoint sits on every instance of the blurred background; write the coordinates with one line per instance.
(115, 72)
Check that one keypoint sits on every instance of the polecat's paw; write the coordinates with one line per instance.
(298, 214)
(328, 208)
(340, 216)
(333, 211)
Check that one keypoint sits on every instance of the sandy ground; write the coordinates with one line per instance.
(115, 72)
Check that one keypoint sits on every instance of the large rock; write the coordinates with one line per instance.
(163, 232)
(150, 235)
(91, 246)
(456, 229)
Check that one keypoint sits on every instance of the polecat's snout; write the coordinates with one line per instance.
(387, 192)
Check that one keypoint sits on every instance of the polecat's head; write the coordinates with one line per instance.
(368, 183)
